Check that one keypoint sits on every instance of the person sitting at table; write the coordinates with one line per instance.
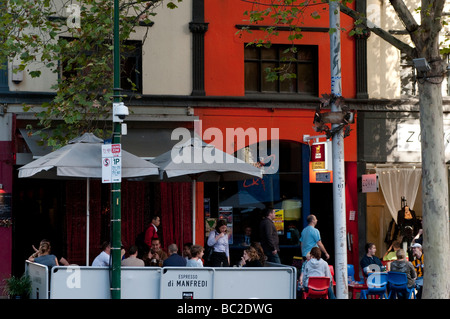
(174, 258)
(390, 254)
(370, 263)
(196, 256)
(317, 267)
(402, 265)
(250, 258)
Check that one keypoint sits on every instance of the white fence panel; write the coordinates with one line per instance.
(140, 282)
(80, 282)
(39, 280)
(256, 283)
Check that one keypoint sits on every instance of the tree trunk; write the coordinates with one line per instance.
(434, 194)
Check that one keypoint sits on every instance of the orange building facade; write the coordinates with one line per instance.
(291, 114)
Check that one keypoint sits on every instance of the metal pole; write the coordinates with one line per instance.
(116, 235)
(340, 230)
(88, 216)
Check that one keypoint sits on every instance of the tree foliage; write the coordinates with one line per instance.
(73, 39)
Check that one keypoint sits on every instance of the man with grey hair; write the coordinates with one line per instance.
(174, 259)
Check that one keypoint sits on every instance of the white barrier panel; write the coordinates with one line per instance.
(187, 283)
(80, 282)
(39, 280)
(256, 283)
(140, 282)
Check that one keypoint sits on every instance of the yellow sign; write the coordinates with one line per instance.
(279, 221)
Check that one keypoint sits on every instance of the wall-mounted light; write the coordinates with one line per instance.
(421, 65)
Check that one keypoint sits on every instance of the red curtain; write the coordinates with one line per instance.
(140, 200)
(134, 199)
(176, 213)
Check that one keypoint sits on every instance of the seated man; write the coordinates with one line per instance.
(157, 252)
(174, 259)
(370, 263)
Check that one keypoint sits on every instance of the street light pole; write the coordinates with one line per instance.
(116, 199)
(340, 229)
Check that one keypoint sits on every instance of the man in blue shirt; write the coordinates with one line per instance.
(310, 238)
(174, 259)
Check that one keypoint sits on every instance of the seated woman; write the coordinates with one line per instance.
(317, 267)
(250, 258)
(43, 256)
(196, 253)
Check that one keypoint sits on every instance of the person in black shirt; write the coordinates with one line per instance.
(370, 263)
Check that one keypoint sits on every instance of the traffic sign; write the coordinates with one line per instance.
(111, 163)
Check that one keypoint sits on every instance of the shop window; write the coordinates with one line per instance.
(243, 202)
(299, 61)
(130, 66)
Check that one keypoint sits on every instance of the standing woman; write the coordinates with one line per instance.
(218, 240)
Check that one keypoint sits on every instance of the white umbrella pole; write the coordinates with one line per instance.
(87, 221)
(193, 209)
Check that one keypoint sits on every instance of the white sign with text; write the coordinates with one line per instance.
(111, 163)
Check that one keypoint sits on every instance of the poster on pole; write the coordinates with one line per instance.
(111, 163)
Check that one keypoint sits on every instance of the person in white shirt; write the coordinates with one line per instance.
(218, 239)
(196, 256)
(103, 259)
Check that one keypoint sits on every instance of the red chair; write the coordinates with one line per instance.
(332, 274)
(317, 288)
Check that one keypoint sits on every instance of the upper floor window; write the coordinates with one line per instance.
(301, 62)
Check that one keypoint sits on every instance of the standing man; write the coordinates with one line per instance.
(310, 238)
(152, 231)
(418, 266)
(269, 236)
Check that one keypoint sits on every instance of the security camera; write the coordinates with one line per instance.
(120, 111)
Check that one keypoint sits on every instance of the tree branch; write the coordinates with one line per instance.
(366, 23)
(405, 15)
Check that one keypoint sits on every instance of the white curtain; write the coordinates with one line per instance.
(398, 182)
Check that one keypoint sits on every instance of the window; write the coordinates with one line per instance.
(301, 62)
(130, 66)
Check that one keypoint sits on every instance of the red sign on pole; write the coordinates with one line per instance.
(318, 156)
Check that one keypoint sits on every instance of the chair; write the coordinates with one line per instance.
(398, 283)
(332, 274)
(317, 288)
(354, 286)
(376, 285)
(351, 274)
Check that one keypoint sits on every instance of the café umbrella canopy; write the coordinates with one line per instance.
(197, 161)
(81, 158)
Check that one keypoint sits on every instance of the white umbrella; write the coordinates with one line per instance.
(82, 158)
(197, 161)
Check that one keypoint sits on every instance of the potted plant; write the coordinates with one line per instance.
(18, 287)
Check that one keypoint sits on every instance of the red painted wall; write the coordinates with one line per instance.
(292, 124)
(224, 49)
